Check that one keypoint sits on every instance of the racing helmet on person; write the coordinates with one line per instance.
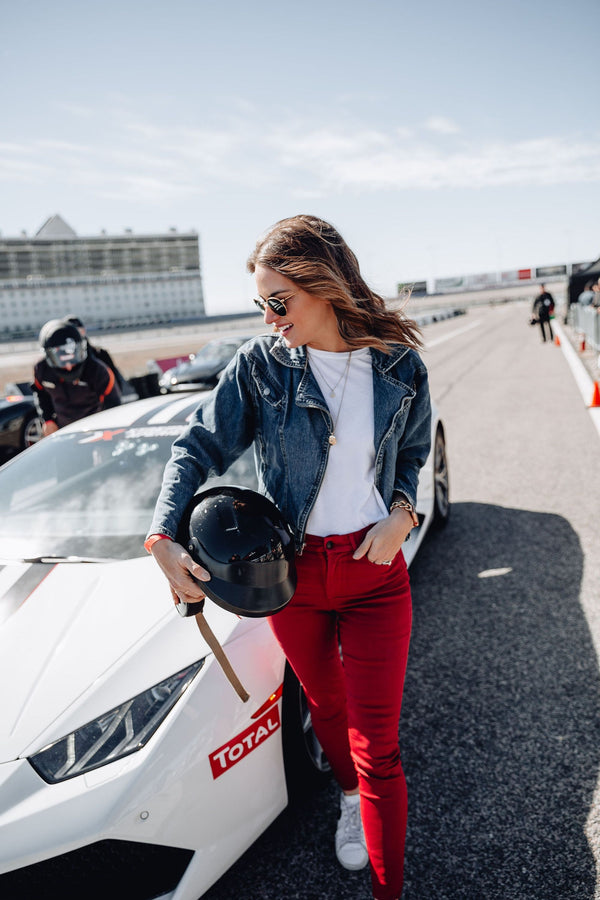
(72, 319)
(245, 543)
(64, 347)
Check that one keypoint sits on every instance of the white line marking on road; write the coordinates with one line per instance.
(580, 374)
(451, 334)
(493, 573)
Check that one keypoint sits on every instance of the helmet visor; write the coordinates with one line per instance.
(71, 353)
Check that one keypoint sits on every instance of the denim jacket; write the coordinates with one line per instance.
(269, 396)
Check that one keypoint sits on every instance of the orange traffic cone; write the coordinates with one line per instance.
(582, 343)
(595, 396)
(557, 340)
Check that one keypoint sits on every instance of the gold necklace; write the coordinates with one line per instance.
(333, 389)
(332, 438)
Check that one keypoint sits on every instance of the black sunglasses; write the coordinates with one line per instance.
(276, 305)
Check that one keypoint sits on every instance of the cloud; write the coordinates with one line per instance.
(442, 125)
(373, 160)
(142, 161)
(76, 109)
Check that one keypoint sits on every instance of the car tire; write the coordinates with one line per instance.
(441, 481)
(31, 430)
(306, 766)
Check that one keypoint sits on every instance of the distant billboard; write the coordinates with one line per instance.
(550, 271)
(483, 280)
(509, 277)
(443, 285)
(503, 279)
(579, 267)
(417, 288)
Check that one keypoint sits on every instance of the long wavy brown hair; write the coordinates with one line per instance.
(312, 254)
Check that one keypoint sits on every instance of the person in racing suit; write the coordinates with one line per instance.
(69, 383)
(100, 353)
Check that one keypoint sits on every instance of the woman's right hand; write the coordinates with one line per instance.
(180, 571)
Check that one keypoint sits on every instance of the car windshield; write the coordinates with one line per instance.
(90, 494)
(216, 353)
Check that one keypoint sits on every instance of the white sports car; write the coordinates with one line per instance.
(123, 747)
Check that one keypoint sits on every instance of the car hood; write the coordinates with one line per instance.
(77, 639)
(15, 403)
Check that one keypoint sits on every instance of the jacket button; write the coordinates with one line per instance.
(329, 545)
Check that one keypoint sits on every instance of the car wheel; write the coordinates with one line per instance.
(32, 430)
(441, 481)
(306, 766)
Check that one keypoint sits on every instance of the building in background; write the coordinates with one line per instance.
(110, 281)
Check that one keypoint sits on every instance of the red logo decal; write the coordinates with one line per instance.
(243, 744)
(101, 436)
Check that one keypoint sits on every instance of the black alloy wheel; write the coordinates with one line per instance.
(32, 430)
(306, 766)
(441, 481)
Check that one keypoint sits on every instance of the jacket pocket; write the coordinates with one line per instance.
(267, 392)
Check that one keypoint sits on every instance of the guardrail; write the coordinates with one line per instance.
(586, 321)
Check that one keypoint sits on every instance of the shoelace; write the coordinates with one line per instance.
(352, 825)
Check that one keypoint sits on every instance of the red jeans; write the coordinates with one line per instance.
(355, 705)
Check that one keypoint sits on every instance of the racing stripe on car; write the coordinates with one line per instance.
(143, 420)
(22, 589)
(173, 410)
(167, 412)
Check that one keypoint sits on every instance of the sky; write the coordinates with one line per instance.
(440, 138)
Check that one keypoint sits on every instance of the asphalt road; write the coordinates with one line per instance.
(500, 730)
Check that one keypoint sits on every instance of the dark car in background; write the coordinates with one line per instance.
(201, 370)
(20, 421)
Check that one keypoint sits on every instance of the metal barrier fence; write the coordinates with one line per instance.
(586, 321)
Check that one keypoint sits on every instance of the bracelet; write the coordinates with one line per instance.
(151, 541)
(404, 504)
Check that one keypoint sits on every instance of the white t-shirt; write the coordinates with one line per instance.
(348, 499)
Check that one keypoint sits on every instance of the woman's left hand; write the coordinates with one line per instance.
(383, 541)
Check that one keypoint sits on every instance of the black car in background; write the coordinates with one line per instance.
(201, 370)
(20, 421)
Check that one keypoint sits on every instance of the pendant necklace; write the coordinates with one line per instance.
(332, 438)
(333, 389)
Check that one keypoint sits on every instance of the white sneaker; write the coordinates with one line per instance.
(350, 846)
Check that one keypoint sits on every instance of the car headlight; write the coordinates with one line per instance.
(119, 732)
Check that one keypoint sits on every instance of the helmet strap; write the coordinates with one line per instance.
(221, 657)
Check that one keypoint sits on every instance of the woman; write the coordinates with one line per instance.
(337, 404)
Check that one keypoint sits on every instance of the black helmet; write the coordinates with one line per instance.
(242, 539)
(64, 346)
(72, 319)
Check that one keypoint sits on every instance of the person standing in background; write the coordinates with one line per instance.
(543, 308)
(586, 297)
